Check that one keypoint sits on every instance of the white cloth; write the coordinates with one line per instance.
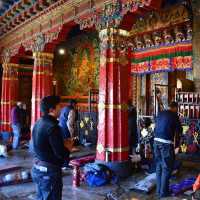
(71, 122)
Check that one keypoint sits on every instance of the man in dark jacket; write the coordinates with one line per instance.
(16, 124)
(50, 151)
(132, 127)
(24, 120)
(67, 120)
(167, 126)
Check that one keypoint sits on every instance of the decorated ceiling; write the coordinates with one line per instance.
(24, 20)
(6, 5)
(15, 12)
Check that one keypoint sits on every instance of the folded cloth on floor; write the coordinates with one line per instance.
(146, 185)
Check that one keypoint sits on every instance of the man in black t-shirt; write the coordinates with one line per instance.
(50, 151)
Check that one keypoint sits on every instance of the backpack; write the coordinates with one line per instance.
(98, 175)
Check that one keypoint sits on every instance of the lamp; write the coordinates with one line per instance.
(61, 51)
(54, 82)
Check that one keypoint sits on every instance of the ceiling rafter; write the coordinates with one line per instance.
(5, 5)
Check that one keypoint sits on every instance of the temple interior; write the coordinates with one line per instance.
(104, 55)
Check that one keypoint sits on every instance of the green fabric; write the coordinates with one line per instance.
(158, 57)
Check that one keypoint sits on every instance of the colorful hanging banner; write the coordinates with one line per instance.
(165, 58)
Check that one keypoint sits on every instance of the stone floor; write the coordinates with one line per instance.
(27, 191)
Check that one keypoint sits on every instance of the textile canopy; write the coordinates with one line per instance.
(162, 59)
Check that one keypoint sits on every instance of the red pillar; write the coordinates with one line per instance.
(9, 94)
(113, 98)
(42, 83)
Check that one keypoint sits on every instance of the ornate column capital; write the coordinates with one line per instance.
(10, 67)
(6, 55)
(111, 15)
(116, 40)
(39, 43)
(113, 31)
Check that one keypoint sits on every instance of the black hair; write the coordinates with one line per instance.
(147, 122)
(72, 101)
(49, 102)
(173, 104)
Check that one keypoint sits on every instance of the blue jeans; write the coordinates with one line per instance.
(49, 184)
(16, 135)
(164, 158)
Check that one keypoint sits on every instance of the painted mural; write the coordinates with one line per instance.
(80, 69)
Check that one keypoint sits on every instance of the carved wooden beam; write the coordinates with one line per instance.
(62, 12)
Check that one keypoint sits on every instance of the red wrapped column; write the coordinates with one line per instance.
(42, 83)
(112, 147)
(9, 94)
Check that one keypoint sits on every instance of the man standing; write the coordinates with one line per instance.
(24, 120)
(67, 120)
(50, 151)
(167, 126)
(16, 124)
(132, 127)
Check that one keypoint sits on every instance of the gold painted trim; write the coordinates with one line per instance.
(36, 99)
(117, 150)
(112, 60)
(5, 102)
(113, 106)
(39, 60)
(10, 65)
(102, 149)
(8, 102)
(6, 123)
(124, 33)
(10, 79)
(28, 68)
(43, 55)
(42, 73)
